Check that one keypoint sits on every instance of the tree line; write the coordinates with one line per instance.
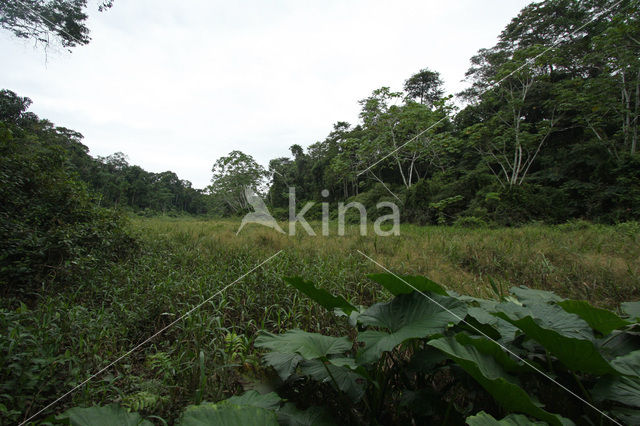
(547, 131)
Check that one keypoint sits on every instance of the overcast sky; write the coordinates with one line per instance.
(177, 84)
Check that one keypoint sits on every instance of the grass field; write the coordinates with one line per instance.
(596, 263)
(209, 355)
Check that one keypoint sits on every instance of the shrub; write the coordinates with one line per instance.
(470, 222)
(49, 224)
(433, 356)
(575, 225)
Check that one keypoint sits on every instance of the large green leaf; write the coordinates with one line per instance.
(620, 343)
(321, 296)
(484, 419)
(505, 329)
(565, 335)
(490, 375)
(628, 364)
(622, 389)
(312, 416)
(308, 345)
(628, 416)
(398, 284)
(284, 364)
(226, 414)
(530, 296)
(599, 319)
(490, 347)
(426, 360)
(407, 316)
(108, 415)
(632, 309)
(347, 380)
(254, 398)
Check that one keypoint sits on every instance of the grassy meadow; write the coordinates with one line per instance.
(592, 262)
(209, 355)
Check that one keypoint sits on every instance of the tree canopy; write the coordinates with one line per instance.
(45, 21)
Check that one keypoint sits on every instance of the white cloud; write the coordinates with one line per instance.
(175, 85)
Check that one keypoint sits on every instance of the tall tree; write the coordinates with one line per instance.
(231, 175)
(45, 21)
(425, 86)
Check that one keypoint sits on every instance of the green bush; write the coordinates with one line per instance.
(49, 225)
(33, 362)
(519, 205)
(470, 222)
(575, 225)
(434, 357)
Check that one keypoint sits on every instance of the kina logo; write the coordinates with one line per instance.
(260, 215)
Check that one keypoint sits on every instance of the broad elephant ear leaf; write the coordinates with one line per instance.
(563, 334)
(530, 296)
(284, 364)
(631, 309)
(312, 416)
(505, 330)
(270, 401)
(321, 296)
(493, 349)
(108, 415)
(621, 390)
(405, 284)
(484, 419)
(491, 376)
(407, 316)
(226, 414)
(308, 345)
(628, 364)
(599, 319)
(346, 380)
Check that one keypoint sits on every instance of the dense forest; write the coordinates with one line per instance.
(547, 131)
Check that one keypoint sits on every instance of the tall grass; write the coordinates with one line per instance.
(69, 333)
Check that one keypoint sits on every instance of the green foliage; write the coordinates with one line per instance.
(484, 419)
(472, 222)
(184, 261)
(407, 316)
(426, 86)
(321, 296)
(43, 21)
(50, 226)
(487, 371)
(570, 341)
(108, 415)
(233, 174)
(227, 414)
(252, 408)
(554, 140)
(407, 284)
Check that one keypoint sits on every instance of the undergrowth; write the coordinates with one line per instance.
(65, 333)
